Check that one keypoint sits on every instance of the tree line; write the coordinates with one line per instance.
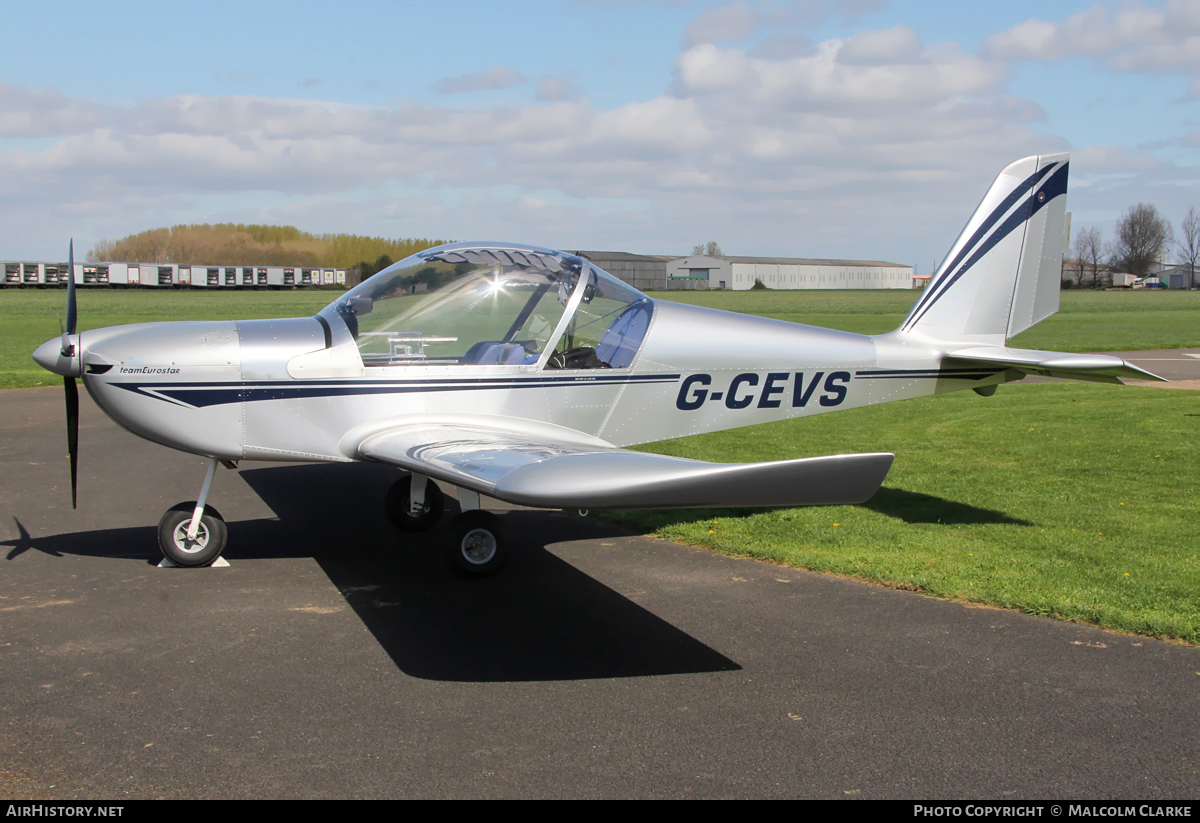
(231, 244)
(1143, 239)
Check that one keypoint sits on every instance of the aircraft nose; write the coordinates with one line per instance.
(50, 357)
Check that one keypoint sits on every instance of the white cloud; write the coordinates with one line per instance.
(733, 22)
(497, 77)
(881, 48)
(876, 145)
(44, 113)
(1129, 38)
(823, 80)
(742, 20)
(554, 88)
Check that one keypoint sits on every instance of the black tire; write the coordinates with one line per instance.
(210, 537)
(396, 506)
(478, 544)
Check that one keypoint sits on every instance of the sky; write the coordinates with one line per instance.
(863, 129)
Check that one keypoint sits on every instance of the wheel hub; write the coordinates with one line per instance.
(190, 546)
(479, 546)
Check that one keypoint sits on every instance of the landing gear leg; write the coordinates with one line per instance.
(414, 503)
(193, 534)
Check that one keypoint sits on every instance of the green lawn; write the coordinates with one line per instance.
(30, 317)
(1070, 500)
(1087, 321)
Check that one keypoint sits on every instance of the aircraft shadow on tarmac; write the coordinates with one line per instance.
(539, 619)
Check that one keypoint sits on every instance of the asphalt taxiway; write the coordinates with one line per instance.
(335, 657)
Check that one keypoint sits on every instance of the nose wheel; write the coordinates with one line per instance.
(193, 534)
(184, 550)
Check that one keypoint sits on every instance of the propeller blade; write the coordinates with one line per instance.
(67, 348)
(72, 392)
(71, 314)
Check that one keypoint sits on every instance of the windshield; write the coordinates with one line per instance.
(458, 305)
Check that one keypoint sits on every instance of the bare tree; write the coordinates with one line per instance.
(1142, 236)
(1072, 271)
(1089, 249)
(711, 249)
(102, 252)
(1189, 247)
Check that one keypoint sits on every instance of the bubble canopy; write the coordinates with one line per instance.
(494, 305)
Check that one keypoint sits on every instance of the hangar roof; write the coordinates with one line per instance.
(806, 261)
(625, 256)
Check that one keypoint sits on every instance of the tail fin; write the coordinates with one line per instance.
(1003, 272)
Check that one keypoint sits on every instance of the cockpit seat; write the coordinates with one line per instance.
(623, 338)
(488, 353)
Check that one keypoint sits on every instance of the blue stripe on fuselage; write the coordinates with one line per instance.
(200, 395)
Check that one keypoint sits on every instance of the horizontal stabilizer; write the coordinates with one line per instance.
(519, 469)
(1099, 368)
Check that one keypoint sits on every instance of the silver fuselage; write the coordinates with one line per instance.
(228, 389)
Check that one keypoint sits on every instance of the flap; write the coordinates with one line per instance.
(534, 472)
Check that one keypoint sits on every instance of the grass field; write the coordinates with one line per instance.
(30, 317)
(1088, 321)
(1070, 500)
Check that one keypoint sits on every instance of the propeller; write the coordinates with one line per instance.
(69, 387)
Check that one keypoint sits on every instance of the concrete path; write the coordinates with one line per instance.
(335, 658)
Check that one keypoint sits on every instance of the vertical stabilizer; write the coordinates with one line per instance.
(1003, 272)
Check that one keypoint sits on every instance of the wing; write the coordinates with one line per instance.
(531, 471)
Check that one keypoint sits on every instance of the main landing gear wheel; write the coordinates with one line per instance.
(478, 544)
(204, 549)
(399, 512)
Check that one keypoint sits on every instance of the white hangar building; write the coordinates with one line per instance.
(739, 273)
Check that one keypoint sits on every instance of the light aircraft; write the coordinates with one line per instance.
(521, 373)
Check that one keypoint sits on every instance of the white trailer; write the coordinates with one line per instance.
(54, 273)
(94, 274)
(118, 273)
(164, 275)
(206, 276)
